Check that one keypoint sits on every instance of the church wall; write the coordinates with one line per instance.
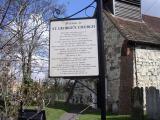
(113, 44)
(147, 67)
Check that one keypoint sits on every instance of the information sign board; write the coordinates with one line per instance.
(73, 48)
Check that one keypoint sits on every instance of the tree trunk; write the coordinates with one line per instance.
(29, 66)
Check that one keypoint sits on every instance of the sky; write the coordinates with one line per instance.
(149, 7)
(76, 5)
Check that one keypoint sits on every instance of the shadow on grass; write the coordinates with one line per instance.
(74, 108)
(119, 117)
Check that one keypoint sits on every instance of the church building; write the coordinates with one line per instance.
(132, 50)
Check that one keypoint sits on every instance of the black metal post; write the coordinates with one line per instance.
(101, 59)
(20, 116)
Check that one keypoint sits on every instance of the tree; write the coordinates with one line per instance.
(24, 30)
(4, 11)
(31, 29)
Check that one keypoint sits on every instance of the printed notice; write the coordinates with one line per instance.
(73, 48)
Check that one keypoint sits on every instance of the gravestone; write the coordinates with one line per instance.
(153, 103)
(137, 104)
(115, 107)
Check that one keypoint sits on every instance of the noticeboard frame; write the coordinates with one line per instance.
(73, 77)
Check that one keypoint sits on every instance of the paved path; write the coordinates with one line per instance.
(73, 115)
(69, 116)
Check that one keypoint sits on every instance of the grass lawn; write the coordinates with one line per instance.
(97, 117)
(53, 114)
(56, 111)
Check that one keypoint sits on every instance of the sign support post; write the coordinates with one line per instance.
(74, 51)
(101, 60)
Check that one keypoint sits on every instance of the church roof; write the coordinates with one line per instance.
(142, 32)
(152, 22)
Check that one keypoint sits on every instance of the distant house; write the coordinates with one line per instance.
(132, 46)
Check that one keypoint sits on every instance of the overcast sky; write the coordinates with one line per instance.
(149, 7)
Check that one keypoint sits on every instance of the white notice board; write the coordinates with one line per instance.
(73, 48)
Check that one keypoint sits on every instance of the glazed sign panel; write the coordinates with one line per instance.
(73, 48)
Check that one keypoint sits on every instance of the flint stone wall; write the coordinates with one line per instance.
(148, 67)
(113, 44)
